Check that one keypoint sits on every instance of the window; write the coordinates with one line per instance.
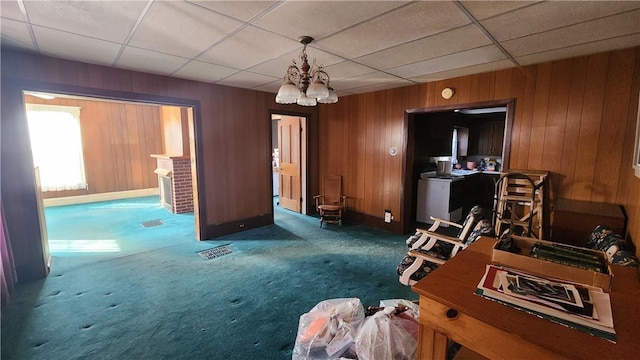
(56, 144)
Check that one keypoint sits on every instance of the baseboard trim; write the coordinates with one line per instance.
(217, 230)
(83, 199)
(373, 221)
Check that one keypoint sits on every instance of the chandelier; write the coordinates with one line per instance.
(307, 85)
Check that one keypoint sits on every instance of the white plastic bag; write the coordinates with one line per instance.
(328, 330)
(385, 337)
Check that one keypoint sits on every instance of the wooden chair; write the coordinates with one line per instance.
(519, 204)
(331, 204)
(428, 249)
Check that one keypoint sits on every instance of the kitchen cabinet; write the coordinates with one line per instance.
(487, 138)
(479, 189)
(463, 140)
(441, 198)
(487, 189)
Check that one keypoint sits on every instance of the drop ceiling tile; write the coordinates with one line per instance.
(469, 70)
(75, 47)
(369, 79)
(202, 71)
(241, 10)
(621, 42)
(246, 80)
(383, 32)
(319, 19)
(11, 10)
(278, 66)
(133, 58)
(180, 28)
(445, 43)
(248, 47)
(105, 20)
(485, 9)
(476, 56)
(347, 69)
(16, 33)
(382, 86)
(552, 15)
(586, 32)
(271, 87)
(342, 93)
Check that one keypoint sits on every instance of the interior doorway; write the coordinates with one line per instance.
(289, 161)
(486, 126)
(128, 139)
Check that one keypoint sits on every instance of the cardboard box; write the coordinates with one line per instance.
(544, 268)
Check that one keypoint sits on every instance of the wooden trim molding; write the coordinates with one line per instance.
(408, 202)
(373, 221)
(217, 230)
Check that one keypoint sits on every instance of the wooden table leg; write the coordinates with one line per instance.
(431, 344)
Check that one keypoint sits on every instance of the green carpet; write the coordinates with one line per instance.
(118, 290)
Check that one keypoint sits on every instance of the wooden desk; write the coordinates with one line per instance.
(449, 309)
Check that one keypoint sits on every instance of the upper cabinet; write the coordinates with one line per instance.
(486, 138)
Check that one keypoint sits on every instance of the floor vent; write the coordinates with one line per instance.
(215, 252)
(151, 223)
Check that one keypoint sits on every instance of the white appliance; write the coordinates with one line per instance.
(439, 197)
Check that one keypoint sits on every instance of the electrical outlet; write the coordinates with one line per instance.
(387, 216)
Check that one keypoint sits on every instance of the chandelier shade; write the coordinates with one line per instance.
(306, 85)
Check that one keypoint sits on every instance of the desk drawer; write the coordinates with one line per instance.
(481, 337)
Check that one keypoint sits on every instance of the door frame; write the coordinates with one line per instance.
(304, 156)
(409, 188)
(199, 210)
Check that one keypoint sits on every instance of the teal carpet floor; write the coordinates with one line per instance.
(119, 290)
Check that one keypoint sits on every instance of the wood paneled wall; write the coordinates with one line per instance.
(233, 137)
(117, 140)
(574, 117)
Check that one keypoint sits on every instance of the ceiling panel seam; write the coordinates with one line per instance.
(244, 25)
(487, 33)
(29, 26)
(572, 24)
(133, 30)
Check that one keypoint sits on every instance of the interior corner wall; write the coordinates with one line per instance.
(571, 117)
(233, 133)
(19, 198)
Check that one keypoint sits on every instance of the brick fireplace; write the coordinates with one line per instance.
(174, 180)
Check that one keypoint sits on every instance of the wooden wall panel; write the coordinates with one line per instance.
(118, 139)
(570, 116)
(234, 171)
(569, 149)
(629, 185)
(590, 127)
(612, 127)
(537, 142)
(554, 131)
(232, 132)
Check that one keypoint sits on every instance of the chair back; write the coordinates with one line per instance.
(332, 189)
(482, 228)
(476, 214)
